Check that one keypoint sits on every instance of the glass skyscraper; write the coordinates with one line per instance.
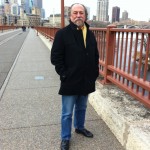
(37, 3)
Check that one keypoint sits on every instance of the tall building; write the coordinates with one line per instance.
(31, 3)
(125, 15)
(37, 3)
(115, 14)
(6, 1)
(102, 10)
(13, 1)
(14, 9)
(88, 11)
(7, 8)
(42, 13)
(27, 7)
(1, 9)
(25, 4)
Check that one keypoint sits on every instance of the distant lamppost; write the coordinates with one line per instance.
(36, 20)
(2, 16)
(53, 17)
(2, 21)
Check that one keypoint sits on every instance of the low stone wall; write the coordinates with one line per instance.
(126, 117)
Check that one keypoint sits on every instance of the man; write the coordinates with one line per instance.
(75, 56)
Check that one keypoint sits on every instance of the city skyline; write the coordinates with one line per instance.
(139, 13)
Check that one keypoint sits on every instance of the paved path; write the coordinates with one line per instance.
(30, 107)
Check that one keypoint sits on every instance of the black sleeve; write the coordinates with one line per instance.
(96, 57)
(57, 53)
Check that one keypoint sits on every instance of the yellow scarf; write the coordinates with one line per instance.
(84, 32)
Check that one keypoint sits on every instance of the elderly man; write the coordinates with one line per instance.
(75, 56)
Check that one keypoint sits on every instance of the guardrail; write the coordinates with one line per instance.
(124, 58)
(48, 32)
(6, 27)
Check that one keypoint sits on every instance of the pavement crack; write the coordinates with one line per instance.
(28, 127)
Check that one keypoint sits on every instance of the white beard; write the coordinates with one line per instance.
(79, 22)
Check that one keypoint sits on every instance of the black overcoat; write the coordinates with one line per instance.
(76, 64)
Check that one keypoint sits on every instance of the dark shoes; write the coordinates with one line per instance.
(64, 145)
(84, 132)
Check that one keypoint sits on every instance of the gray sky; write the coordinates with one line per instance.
(137, 10)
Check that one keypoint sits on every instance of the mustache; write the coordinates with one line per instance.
(77, 19)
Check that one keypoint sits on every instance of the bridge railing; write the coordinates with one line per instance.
(48, 32)
(6, 27)
(124, 58)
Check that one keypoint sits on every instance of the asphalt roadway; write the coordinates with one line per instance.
(10, 45)
(30, 107)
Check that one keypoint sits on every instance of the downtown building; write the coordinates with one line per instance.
(124, 15)
(115, 14)
(9, 12)
(102, 10)
(37, 3)
(26, 5)
(28, 13)
(14, 7)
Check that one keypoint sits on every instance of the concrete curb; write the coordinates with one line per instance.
(126, 117)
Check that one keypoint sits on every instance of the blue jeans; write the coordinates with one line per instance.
(78, 102)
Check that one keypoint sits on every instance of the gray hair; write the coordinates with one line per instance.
(86, 13)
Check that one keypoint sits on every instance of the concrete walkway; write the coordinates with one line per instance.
(30, 107)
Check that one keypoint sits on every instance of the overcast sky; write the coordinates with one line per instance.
(137, 10)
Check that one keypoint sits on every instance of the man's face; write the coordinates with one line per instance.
(77, 15)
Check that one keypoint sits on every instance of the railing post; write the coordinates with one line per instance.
(37, 30)
(62, 14)
(2, 28)
(110, 45)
